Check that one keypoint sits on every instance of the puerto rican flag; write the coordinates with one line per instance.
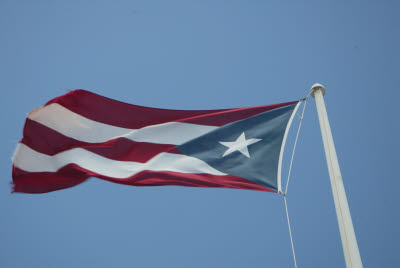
(81, 135)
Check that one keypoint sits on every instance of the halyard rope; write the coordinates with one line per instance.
(287, 182)
(295, 143)
(290, 232)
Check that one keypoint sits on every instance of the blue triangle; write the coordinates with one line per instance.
(262, 166)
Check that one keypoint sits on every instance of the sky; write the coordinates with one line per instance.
(208, 55)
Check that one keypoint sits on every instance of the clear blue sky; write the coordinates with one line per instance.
(207, 55)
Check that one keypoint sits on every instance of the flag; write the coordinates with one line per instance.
(81, 134)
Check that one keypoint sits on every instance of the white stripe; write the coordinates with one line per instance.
(32, 161)
(73, 125)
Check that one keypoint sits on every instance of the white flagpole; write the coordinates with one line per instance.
(349, 241)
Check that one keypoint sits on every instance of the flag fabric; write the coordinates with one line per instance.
(82, 134)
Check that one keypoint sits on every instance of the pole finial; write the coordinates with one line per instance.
(317, 86)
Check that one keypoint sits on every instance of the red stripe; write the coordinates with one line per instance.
(43, 182)
(116, 113)
(71, 175)
(47, 141)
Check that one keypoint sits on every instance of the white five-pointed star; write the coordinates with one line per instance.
(240, 145)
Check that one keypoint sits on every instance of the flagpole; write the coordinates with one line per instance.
(349, 241)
